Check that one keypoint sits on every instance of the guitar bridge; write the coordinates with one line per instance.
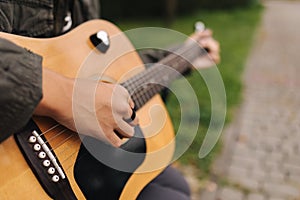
(43, 163)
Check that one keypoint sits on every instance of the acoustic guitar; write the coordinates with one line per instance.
(47, 161)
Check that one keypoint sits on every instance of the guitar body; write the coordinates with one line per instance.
(66, 54)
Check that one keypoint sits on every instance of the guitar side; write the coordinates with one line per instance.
(65, 55)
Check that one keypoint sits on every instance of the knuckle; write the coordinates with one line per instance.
(113, 140)
(130, 131)
(124, 110)
(123, 90)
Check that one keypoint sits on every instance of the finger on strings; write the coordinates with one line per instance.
(131, 103)
(212, 45)
(214, 48)
(125, 129)
(207, 33)
(202, 34)
(131, 117)
(113, 139)
(134, 122)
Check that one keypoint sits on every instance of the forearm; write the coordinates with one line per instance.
(57, 94)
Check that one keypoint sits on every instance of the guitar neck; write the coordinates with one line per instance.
(154, 79)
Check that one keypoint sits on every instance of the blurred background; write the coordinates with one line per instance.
(255, 159)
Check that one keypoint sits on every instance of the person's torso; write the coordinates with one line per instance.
(45, 18)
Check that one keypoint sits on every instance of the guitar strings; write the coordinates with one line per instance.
(62, 152)
(131, 85)
(63, 141)
(142, 95)
(56, 135)
(67, 168)
(135, 85)
(50, 129)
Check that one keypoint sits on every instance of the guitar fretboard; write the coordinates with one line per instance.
(143, 86)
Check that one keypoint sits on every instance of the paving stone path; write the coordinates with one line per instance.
(261, 159)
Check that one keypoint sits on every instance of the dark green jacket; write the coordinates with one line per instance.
(21, 70)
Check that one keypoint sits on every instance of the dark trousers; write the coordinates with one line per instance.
(170, 184)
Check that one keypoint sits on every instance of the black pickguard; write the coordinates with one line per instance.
(99, 181)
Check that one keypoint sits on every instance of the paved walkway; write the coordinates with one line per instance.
(261, 160)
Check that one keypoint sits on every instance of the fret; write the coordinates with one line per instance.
(143, 86)
(147, 95)
(137, 102)
(152, 90)
(143, 97)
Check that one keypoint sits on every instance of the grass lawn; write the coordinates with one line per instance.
(234, 30)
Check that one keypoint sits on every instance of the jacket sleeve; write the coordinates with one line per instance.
(20, 86)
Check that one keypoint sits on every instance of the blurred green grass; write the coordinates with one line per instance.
(234, 29)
